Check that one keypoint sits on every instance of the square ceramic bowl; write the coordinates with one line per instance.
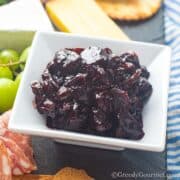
(26, 119)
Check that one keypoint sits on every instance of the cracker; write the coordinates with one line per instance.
(130, 10)
(68, 173)
(33, 177)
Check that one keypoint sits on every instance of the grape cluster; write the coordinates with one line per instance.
(11, 69)
(94, 91)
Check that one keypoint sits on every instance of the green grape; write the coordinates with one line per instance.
(5, 72)
(24, 56)
(8, 91)
(3, 2)
(9, 55)
(18, 79)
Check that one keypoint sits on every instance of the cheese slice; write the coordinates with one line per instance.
(83, 17)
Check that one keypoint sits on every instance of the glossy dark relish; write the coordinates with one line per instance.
(94, 91)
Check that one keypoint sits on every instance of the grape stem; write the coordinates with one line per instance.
(11, 64)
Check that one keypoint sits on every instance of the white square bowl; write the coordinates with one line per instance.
(26, 119)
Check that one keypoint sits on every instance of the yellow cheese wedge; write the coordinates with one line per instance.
(83, 17)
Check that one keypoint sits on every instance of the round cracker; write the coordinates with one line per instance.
(33, 177)
(130, 10)
(71, 173)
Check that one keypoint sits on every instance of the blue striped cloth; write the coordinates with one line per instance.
(172, 38)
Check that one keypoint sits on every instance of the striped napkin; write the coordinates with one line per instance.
(172, 38)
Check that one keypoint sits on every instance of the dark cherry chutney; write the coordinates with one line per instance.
(94, 91)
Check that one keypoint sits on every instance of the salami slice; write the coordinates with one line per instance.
(23, 141)
(5, 164)
(17, 147)
(18, 157)
(4, 118)
(15, 170)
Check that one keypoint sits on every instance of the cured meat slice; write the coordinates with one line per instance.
(17, 148)
(5, 164)
(4, 118)
(23, 141)
(18, 157)
(15, 170)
